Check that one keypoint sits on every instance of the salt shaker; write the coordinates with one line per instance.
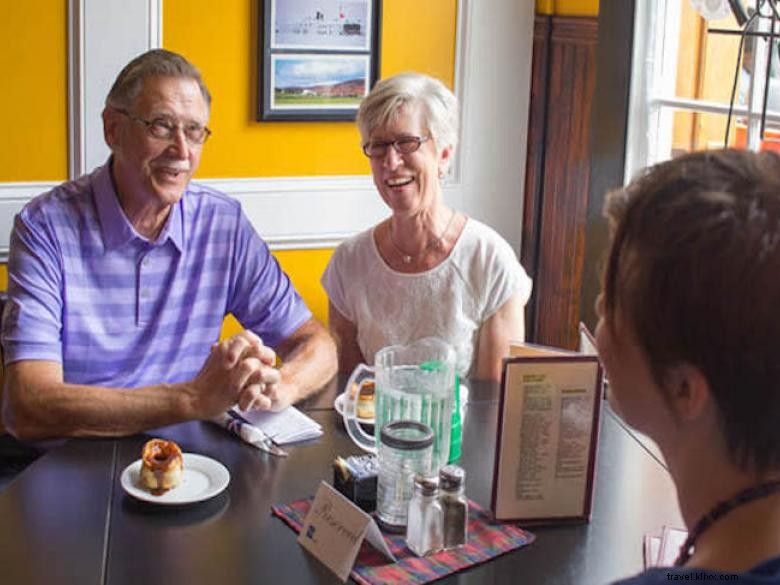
(454, 505)
(424, 521)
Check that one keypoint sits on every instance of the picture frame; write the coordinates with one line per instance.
(547, 436)
(319, 58)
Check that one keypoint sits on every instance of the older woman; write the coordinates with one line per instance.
(427, 270)
(689, 335)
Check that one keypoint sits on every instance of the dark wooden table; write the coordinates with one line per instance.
(66, 519)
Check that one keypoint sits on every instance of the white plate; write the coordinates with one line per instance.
(338, 404)
(202, 478)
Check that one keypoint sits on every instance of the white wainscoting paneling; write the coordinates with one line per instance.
(13, 196)
(288, 212)
(310, 212)
(305, 212)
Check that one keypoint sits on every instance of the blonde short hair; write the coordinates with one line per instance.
(439, 106)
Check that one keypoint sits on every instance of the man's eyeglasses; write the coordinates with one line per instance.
(166, 129)
(403, 145)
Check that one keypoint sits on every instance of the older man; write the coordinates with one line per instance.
(119, 281)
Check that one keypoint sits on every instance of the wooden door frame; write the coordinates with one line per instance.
(609, 125)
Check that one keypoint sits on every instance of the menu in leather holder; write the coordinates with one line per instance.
(548, 424)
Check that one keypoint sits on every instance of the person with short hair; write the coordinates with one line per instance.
(119, 282)
(688, 334)
(428, 270)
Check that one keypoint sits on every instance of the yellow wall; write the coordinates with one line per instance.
(304, 269)
(568, 7)
(222, 43)
(33, 101)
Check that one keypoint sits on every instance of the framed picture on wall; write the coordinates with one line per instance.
(319, 58)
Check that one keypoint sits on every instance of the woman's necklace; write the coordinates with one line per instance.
(750, 494)
(409, 258)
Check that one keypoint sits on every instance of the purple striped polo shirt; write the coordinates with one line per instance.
(86, 290)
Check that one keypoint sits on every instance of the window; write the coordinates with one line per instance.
(683, 75)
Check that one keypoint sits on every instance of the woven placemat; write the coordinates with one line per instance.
(486, 540)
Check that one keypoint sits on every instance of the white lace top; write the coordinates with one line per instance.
(450, 301)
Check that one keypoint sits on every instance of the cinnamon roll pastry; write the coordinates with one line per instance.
(365, 401)
(161, 466)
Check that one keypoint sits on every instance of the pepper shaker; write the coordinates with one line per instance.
(455, 507)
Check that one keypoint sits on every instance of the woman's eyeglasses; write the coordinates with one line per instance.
(403, 145)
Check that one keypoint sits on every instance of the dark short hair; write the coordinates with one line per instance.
(694, 272)
(155, 62)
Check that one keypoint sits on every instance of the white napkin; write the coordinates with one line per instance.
(249, 433)
(285, 426)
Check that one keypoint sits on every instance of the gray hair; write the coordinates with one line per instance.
(155, 62)
(439, 106)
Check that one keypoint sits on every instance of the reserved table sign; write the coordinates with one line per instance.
(547, 435)
(334, 529)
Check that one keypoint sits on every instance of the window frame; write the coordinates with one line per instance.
(652, 102)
